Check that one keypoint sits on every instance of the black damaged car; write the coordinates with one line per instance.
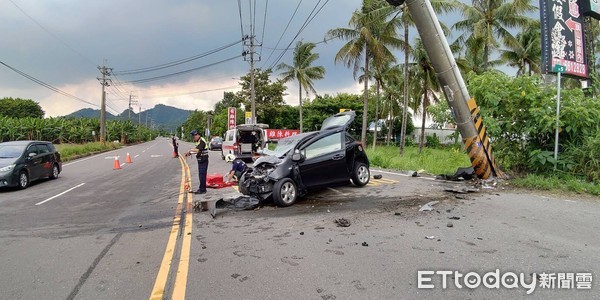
(308, 161)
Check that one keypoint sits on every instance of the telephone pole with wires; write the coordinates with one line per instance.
(249, 56)
(104, 82)
(131, 101)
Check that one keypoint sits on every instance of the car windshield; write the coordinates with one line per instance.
(216, 139)
(284, 145)
(11, 151)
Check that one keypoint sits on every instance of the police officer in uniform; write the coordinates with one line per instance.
(201, 151)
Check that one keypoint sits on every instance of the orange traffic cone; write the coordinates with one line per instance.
(117, 165)
(174, 154)
(128, 160)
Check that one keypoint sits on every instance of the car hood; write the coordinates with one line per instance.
(270, 159)
(7, 161)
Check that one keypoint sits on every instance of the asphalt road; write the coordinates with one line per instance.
(117, 233)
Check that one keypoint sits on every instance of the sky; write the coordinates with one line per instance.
(63, 42)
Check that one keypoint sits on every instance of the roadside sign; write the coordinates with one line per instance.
(275, 134)
(559, 69)
(248, 117)
(344, 109)
(231, 118)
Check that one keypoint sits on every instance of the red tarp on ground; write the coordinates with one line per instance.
(215, 181)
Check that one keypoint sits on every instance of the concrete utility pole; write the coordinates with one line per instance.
(104, 82)
(249, 42)
(131, 101)
(140, 115)
(466, 111)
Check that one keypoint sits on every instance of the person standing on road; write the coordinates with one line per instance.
(201, 151)
(175, 147)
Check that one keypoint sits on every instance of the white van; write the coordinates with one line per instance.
(244, 141)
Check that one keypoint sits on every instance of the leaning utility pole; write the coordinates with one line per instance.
(104, 82)
(131, 102)
(465, 110)
(249, 42)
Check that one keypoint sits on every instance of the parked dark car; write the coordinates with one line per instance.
(22, 162)
(308, 161)
(215, 143)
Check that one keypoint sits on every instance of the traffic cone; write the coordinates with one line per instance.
(117, 165)
(128, 160)
(174, 154)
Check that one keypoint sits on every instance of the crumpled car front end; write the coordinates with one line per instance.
(259, 181)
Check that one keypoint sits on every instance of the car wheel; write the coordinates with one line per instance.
(361, 174)
(242, 185)
(23, 180)
(55, 172)
(285, 192)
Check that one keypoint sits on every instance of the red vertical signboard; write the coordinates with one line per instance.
(231, 118)
(562, 37)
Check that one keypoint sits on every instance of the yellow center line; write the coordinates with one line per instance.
(163, 272)
(184, 259)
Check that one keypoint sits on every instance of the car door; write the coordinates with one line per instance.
(33, 162)
(324, 161)
(47, 160)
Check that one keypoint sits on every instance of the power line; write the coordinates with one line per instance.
(191, 93)
(50, 33)
(284, 30)
(175, 63)
(180, 73)
(262, 38)
(48, 86)
(241, 22)
(308, 20)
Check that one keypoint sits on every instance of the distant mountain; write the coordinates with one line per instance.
(165, 117)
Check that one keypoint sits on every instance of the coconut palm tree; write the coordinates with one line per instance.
(491, 20)
(371, 37)
(425, 83)
(303, 70)
(525, 52)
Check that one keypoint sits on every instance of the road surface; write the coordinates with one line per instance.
(99, 233)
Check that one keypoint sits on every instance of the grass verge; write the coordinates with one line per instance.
(73, 151)
(557, 183)
(433, 161)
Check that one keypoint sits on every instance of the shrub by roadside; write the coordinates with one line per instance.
(73, 151)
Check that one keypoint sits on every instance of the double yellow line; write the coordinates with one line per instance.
(186, 233)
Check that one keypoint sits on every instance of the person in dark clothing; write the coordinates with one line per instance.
(175, 147)
(201, 151)
(238, 167)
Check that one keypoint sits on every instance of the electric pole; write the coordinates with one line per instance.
(140, 115)
(104, 82)
(131, 101)
(249, 42)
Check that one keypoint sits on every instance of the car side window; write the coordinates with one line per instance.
(32, 149)
(42, 148)
(325, 145)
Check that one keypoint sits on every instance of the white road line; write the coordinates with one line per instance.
(405, 175)
(136, 156)
(40, 203)
(155, 155)
(123, 164)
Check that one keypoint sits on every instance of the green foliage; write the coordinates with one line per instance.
(440, 115)
(557, 182)
(73, 151)
(433, 161)
(433, 141)
(70, 130)
(268, 94)
(520, 113)
(20, 108)
(324, 106)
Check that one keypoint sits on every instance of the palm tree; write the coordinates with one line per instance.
(525, 52)
(490, 20)
(302, 70)
(370, 36)
(439, 6)
(426, 85)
